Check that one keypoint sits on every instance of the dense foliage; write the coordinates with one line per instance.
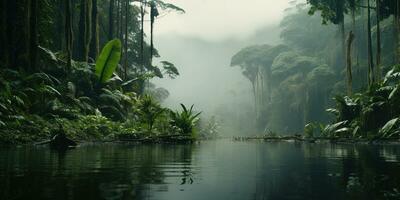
(318, 64)
(53, 74)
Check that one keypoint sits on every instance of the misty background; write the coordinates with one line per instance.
(201, 43)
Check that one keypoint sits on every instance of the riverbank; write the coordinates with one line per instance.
(32, 129)
(332, 140)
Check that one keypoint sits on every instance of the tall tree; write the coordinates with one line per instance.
(11, 32)
(68, 32)
(3, 32)
(59, 25)
(378, 40)
(33, 34)
(334, 12)
(350, 40)
(111, 20)
(143, 5)
(126, 38)
(371, 78)
(153, 14)
(118, 22)
(84, 30)
(398, 29)
(94, 43)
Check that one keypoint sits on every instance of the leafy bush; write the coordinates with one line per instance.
(372, 114)
(185, 120)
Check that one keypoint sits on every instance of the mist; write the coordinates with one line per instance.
(201, 45)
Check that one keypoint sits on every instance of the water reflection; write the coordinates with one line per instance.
(92, 171)
(211, 170)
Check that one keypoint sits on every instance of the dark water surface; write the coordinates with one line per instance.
(215, 170)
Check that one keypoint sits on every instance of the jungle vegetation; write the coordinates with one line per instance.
(334, 74)
(84, 65)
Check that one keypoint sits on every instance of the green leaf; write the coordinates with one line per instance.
(388, 127)
(394, 92)
(167, 6)
(51, 90)
(108, 60)
(170, 69)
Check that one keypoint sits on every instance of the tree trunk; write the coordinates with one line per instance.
(121, 24)
(3, 32)
(84, 30)
(269, 82)
(153, 14)
(88, 29)
(371, 78)
(33, 35)
(394, 31)
(350, 39)
(11, 33)
(94, 44)
(59, 26)
(255, 99)
(68, 33)
(118, 17)
(111, 20)
(151, 39)
(398, 30)
(378, 42)
(79, 53)
(343, 35)
(354, 49)
(126, 39)
(142, 13)
(27, 37)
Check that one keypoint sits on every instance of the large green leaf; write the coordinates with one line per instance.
(108, 60)
(388, 127)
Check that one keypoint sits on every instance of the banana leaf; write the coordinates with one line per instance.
(108, 60)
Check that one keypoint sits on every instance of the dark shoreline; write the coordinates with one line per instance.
(320, 140)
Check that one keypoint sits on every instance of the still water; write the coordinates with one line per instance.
(214, 170)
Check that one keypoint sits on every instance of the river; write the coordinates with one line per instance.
(210, 170)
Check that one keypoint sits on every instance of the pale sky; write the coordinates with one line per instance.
(220, 19)
(201, 43)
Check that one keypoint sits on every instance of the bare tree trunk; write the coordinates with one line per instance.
(33, 34)
(142, 13)
(126, 39)
(121, 23)
(151, 39)
(94, 44)
(11, 33)
(398, 30)
(350, 39)
(378, 42)
(79, 53)
(153, 14)
(84, 30)
(269, 88)
(371, 70)
(395, 39)
(111, 20)
(354, 49)
(117, 18)
(255, 99)
(68, 33)
(27, 36)
(343, 35)
(60, 25)
(3, 32)
(88, 29)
